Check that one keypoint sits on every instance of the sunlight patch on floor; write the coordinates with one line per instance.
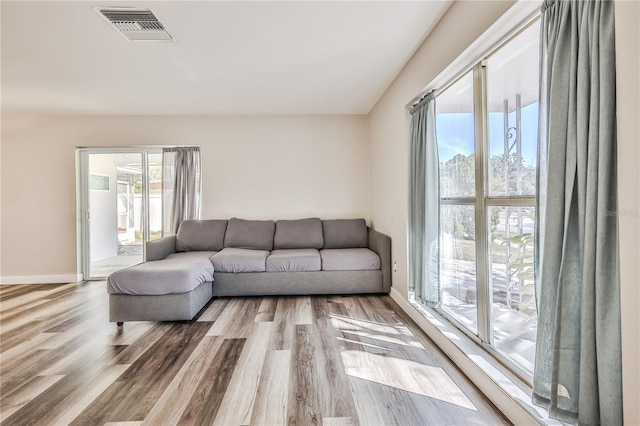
(357, 342)
(410, 376)
(384, 333)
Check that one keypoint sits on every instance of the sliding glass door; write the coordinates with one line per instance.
(121, 207)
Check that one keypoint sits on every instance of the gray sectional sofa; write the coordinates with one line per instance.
(236, 257)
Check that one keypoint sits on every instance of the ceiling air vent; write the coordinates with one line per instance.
(135, 24)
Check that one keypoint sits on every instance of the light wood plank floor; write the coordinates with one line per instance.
(260, 361)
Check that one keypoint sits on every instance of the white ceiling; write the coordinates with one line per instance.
(234, 57)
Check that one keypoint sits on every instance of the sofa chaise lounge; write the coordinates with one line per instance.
(236, 257)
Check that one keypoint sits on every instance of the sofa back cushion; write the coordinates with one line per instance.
(298, 234)
(345, 233)
(250, 234)
(201, 235)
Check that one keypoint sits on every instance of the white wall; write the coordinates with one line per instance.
(458, 29)
(253, 167)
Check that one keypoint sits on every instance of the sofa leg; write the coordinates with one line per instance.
(120, 323)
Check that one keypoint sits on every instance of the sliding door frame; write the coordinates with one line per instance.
(83, 203)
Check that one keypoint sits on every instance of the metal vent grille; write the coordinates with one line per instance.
(135, 24)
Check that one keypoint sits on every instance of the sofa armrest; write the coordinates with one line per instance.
(159, 249)
(381, 245)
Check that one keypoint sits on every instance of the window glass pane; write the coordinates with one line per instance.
(458, 264)
(514, 305)
(455, 132)
(155, 195)
(115, 212)
(512, 97)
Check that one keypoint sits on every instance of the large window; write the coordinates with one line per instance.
(487, 124)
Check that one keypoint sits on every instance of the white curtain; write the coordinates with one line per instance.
(424, 203)
(181, 186)
(578, 373)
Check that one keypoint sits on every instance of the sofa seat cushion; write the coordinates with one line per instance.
(355, 259)
(240, 260)
(177, 273)
(294, 260)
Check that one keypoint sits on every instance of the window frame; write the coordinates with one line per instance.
(482, 202)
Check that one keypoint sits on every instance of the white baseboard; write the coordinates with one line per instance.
(495, 384)
(41, 279)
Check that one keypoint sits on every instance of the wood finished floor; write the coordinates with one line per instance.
(263, 361)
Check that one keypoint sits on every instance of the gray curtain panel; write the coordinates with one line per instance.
(578, 373)
(181, 183)
(424, 203)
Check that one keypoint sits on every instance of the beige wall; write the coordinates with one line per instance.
(628, 82)
(253, 167)
(389, 154)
